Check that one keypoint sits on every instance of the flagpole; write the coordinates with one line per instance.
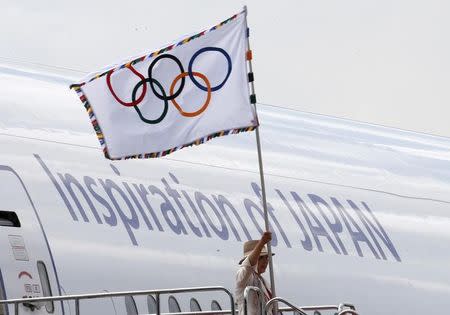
(261, 171)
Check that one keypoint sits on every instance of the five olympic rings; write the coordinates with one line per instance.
(158, 89)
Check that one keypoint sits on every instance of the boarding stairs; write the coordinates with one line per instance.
(31, 304)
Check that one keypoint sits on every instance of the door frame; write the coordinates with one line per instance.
(2, 290)
(6, 168)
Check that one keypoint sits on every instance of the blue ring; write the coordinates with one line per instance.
(191, 62)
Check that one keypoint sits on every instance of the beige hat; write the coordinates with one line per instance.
(248, 248)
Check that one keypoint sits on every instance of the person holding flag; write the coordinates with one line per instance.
(251, 266)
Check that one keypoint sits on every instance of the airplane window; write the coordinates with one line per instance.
(174, 307)
(130, 305)
(317, 313)
(9, 218)
(45, 284)
(151, 303)
(195, 306)
(215, 306)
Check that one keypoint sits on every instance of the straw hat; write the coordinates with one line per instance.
(248, 248)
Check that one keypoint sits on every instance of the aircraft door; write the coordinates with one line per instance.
(26, 265)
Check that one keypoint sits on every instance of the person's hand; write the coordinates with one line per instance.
(254, 255)
(266, 237)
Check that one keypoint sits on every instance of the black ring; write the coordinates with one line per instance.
(166, 104)
(150, 69)
(191, 62)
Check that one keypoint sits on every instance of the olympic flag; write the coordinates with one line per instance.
(186, 93)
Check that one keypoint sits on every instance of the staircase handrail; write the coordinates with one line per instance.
(156, 293)
(343, 308)
(279, 299)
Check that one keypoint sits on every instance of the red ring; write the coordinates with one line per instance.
(144, 89)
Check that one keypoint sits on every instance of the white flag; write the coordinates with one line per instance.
(184, 94)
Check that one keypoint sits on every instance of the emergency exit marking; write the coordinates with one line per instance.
(18, 247)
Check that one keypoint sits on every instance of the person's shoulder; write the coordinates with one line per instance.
(246, 262)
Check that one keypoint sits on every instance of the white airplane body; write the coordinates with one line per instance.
(360, 213)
